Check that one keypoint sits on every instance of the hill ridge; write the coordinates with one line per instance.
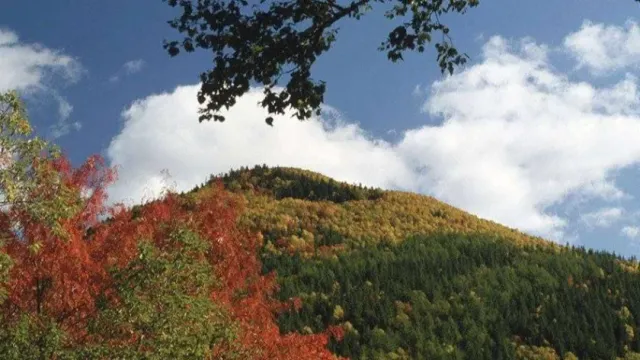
(276, 195)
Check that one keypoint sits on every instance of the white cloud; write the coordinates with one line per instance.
(128, 68)
(7, 37)
(604, 189)
(418, 91)
(64, 109)
(133, 66)
(63, 126)
(517, 138)
(27, 67)
(162, 132)
(631, 232)
(602, 48)
(604, 217)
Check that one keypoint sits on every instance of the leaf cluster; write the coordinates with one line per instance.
(266, 41)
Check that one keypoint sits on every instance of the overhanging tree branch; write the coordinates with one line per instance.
(263, 42)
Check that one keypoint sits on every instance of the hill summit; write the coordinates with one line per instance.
(293, 204)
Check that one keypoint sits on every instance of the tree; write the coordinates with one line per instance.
(37, 187)
(26, 167)
(50, 278)
(164, 308)
(174, 278)
(263, 43)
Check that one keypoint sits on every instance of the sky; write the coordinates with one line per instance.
(540, 131)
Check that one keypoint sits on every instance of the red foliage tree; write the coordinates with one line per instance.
(59, 271)
(54, 274)
(246, 293)
(67, 255)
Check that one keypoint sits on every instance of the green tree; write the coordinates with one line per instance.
(265, 41)
(164, 305)
(25, 169)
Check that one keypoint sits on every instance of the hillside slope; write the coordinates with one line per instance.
(300, 209)
(409, 277)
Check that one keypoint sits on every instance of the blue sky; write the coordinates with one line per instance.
(551, 153)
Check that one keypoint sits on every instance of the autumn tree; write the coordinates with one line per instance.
(162, 307)
(26, 167)
(266, 41)
(54, 279)
(49, 276)
(174, 278)
(223, 281)
(42, 196)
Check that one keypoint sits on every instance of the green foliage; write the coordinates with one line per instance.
(5, 268)
(161, 310)
(301, 210)
(32, 337)
(294, 183)
(164, 304)
(263, 42)
(630, 356)
(24, 170)
(465, 297)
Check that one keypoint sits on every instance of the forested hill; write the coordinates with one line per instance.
(409, 277)
(302, 209)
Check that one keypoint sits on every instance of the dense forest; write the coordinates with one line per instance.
(464, 297)
(408, 277)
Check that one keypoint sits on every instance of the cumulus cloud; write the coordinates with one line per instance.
(29, 68)
(128, 68)
(516, 139)
(162, 132)
(601, 48)
(603, 218)
(632, 232)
